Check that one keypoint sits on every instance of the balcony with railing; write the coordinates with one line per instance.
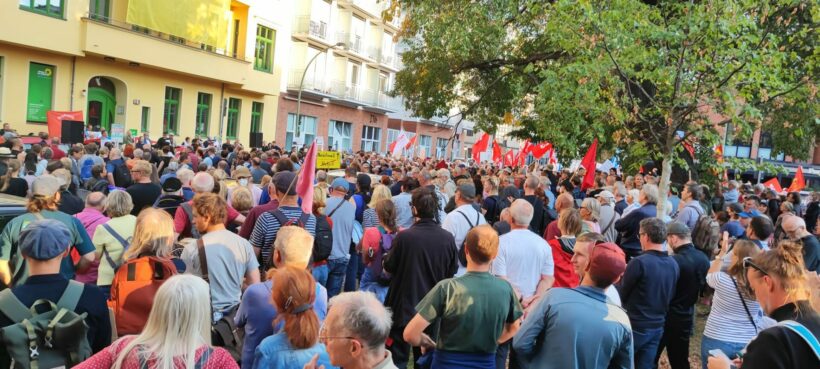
(305, 26)
(350, 93)
(353, 42)
(374, 53)
(314, 84)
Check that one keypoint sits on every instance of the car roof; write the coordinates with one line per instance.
(10, 200)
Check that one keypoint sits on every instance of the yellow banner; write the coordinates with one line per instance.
(328, 160)
(204, 21)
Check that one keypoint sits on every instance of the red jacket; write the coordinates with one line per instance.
(564, 271)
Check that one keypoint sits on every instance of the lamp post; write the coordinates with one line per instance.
(298, 122)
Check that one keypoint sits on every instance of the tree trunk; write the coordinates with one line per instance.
(663, 185)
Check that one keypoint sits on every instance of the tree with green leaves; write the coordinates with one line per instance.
(641, 76)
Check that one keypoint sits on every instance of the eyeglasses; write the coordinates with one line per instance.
(323, 337)
(747, 263)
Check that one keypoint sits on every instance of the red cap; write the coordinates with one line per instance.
(607, 262)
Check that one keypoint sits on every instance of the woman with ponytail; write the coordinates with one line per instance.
(780, 283)
(293, 295)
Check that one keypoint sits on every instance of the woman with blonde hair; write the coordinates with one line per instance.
(735, 318)
(320, 195)
(370, 217)
(297, 341)
(220, 182)
(11, 183)
(590, 212)
(176, 336)
(112, 238)
(154, 236)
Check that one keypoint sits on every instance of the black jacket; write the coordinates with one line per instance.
(780, 348)
(693, 265)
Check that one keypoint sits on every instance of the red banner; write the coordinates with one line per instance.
(56, 118)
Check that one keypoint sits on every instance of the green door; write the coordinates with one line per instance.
(101, 108)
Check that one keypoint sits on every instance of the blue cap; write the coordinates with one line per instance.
(340, 183)
(44, 239)
(749, 214)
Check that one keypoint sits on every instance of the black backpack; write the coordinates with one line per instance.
(283, 220)
(122, 176)
(462, 254)
(323, 241)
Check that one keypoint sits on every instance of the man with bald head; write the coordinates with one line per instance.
(795, 228)
(91, 217)
(563, 201)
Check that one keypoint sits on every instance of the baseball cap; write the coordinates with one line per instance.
(285, 180)
(45, 185)
(678, 228)
(241, 172)
(466, 190)
(462, 165)
(607, 262)
(340, 183)
(749, 214)
(44, 239)
(171, 184)
(606, 194)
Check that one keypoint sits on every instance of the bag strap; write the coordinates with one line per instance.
(12, 308)
(280, 217)
(71, 295)
(203, 260)
(804, 333)
(189, 211)
(336, 208)
(611, 221)
(119, 239)
(203, 359)
(467, 219)
(303, 220)
(745, 307)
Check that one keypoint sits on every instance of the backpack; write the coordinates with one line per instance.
(462, 254)
(493, 212)
(706, 234)
(56, 337)
(125, 243)
(323, 241)
(224, 332)
(804, 333)
(85, 169)
(189, 211)
(122, 176)
(283, 220)
(377, 260)
(133, 289)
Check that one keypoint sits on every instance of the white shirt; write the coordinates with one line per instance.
(458, 226)
(612, 294)
(523, 257)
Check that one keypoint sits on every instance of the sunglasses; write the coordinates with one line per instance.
(747, 263)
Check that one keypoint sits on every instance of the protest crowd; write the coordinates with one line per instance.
(169, 253)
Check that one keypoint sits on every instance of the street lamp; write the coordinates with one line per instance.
(301, 84)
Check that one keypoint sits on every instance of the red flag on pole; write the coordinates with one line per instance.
(525, 148)
(774, 184)
(553, 159)
(496, 153)
(411, 143)
(589, 164)
(304, 186)
(509, 158)
(480, 146)
(798, 183)
(538, 150)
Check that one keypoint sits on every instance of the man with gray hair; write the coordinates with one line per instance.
(446, 185)
(183, 218)
(619, 191)
(629, 225)
(354, 333)
(732, 195)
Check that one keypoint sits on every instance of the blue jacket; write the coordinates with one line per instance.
(629, 226)
(275, 352)
(647, 288)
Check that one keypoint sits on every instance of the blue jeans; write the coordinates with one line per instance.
(336, 276)
(320, 274)
(646, 346)
(355, 268)
(731, 349)
(369, 283)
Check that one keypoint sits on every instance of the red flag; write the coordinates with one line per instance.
(509, 158)
(689, 148)
(798, 183)
(538, 150)
(774, 184)
(412, 142)
(304, 186)
(525, 148)
(522, 157)
(553, 158)
(496, 153)
(589, 164)
(480, 146)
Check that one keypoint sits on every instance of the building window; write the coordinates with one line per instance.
(99, 9)
(339, 136)
(264, 49)
(456, 148)
(203, 114)
(145, 120)
(40, 91)
(371, 136)
(234, 107)
(51, 8)
(170, 116)
(441, 148)
(424, 145)
(735, 147)
(307, 131)
(765, 148)
(256, 116)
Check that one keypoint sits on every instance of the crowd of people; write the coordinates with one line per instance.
(201, 256)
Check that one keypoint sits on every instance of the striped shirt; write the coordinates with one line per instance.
(728, 320)
(266, 228)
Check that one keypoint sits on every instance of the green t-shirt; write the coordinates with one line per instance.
(472, 310)
(10, 237)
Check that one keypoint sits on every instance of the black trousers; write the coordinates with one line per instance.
(401, 349)
(676, 334)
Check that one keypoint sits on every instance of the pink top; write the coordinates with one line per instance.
(105, 359)
(90, 218)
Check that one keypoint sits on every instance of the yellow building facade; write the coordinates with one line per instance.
(85, 55)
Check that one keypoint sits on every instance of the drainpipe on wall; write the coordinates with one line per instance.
(71, 91)
(223, 110)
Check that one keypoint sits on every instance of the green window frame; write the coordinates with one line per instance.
(170, 116)
(145, 120)
(203, 114)
(234, 107)
(263, 56)
(256, 116)
(51, 8)
(99, 9)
